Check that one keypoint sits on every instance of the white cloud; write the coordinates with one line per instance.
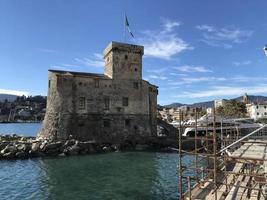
(165, 43)
(157, 71)
(202, 79)
(93, 61)
(157, 77)
(13, 92)
(242, 63)
(177, 74)
(189, 68)
(205, 27)
(170, 25)
(225, 91)
(223, 37)
(191, 80)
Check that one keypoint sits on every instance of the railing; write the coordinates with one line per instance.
(245, 137)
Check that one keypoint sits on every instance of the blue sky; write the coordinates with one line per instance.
(194, 50)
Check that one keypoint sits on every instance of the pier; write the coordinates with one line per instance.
(227, 165)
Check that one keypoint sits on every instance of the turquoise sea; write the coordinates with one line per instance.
(111, 176)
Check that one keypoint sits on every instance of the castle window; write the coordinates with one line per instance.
(80, 83)
(49, 82)
(106, 103)
(127, 122)
(96, 83)
(125, 101)
(136, 86)
(125, 57)
(82, 103)
(265, 107)
(107, 59)
(135, 69)
(106, 123)
(81, 123)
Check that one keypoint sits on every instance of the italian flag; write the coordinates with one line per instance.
(128, 26)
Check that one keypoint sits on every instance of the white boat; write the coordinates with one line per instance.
(205, 124)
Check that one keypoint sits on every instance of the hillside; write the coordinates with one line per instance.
(252, 98)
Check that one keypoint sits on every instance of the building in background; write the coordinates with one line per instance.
(219, 102)
(257, 111)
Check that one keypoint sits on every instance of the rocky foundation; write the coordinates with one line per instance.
(19, 147)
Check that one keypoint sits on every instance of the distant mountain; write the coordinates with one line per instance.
(174, 105)
(252, 98)
(206, 104)
(9, 97)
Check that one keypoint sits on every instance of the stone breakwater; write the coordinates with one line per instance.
(19, 147)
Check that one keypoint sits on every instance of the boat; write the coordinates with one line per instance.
(222, 125)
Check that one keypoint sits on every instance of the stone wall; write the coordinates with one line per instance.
(109, 107)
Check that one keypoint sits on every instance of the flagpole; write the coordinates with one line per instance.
(124, 27)
(124, 18)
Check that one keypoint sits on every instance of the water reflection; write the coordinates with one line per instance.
(128, 175)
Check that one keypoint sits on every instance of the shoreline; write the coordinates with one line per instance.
(23, 122)
(13, 147)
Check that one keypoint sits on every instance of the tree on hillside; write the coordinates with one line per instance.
(232, 109)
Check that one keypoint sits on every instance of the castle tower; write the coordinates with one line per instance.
(123, 61)
(111, 107)
(245, 98)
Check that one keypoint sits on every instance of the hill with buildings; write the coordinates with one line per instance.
(207, 104)
(8, 97)
(21, 108)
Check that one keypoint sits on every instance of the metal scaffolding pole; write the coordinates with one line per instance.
(180, 156)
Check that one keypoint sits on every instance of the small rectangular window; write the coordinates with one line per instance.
(125, 101)
(49, 82)
(136, 86)
(96, 83)
(258, 113)
(127, 122)
(106, 123)
(106, 103)
(82, 103)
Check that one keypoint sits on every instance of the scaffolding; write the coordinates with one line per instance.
(224, 163)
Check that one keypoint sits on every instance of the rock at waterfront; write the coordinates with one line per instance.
(36, 146)
(24, 147)
(9, 149)
(53, 145)
(21, 155)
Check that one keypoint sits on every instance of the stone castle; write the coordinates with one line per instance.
(110, 107)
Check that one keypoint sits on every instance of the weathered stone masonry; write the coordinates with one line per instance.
(110, 107)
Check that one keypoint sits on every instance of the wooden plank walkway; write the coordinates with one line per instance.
(253, 152)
